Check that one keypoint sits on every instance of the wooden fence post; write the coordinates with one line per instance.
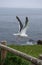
(40, 57)
(3, 53)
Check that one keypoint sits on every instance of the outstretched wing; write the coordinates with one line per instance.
(26, 26)
(23, 31)
(26, 22)
(21, 25)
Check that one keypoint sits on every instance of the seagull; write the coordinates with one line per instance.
(22, 29)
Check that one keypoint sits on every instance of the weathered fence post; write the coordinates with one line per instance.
(3, 53)
(40, 57)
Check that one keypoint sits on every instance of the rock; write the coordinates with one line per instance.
(39, 42)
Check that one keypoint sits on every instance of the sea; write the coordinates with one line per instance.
(9, 25)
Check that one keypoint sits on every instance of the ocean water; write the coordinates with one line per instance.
(9, 25)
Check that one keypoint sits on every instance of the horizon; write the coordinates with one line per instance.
(19, 8)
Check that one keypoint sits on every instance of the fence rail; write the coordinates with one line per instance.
(5, 48)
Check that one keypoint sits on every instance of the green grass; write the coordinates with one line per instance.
(34, 50)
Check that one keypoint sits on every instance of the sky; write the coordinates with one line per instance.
(21, 3)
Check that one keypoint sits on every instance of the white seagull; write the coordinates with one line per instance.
(22, 29)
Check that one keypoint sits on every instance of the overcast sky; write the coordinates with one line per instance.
(21, 3)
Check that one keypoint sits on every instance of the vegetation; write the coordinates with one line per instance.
(33, 50)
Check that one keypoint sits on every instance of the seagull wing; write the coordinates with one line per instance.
(26, 22)
(21, 25)
(23, 31)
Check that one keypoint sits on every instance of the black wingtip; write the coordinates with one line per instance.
(26, 18)
(17, 17)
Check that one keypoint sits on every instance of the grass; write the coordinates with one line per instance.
(33, 50)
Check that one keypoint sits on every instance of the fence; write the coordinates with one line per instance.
(5, 49)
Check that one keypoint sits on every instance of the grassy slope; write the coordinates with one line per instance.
(34, 50)
(12, 59)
